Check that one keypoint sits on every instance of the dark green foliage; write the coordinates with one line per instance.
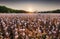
(4, 9)
(56, 11)
(43, 36)
(53, 11)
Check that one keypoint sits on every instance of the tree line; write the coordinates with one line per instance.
(53, 11)
(4, 9)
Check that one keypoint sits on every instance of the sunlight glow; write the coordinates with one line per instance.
(30, 9)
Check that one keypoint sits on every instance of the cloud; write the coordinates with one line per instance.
(30, 0)
(45, 1)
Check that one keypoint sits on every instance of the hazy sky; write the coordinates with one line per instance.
(39, 5)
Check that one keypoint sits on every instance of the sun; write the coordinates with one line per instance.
(30, 9)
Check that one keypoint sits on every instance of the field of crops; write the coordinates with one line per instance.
(30, 26)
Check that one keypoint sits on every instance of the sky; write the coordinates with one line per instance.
(32, 5)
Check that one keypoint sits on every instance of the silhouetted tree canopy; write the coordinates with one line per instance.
(4, 9)
(53, 11)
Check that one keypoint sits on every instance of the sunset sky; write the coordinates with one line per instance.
(32, 5)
